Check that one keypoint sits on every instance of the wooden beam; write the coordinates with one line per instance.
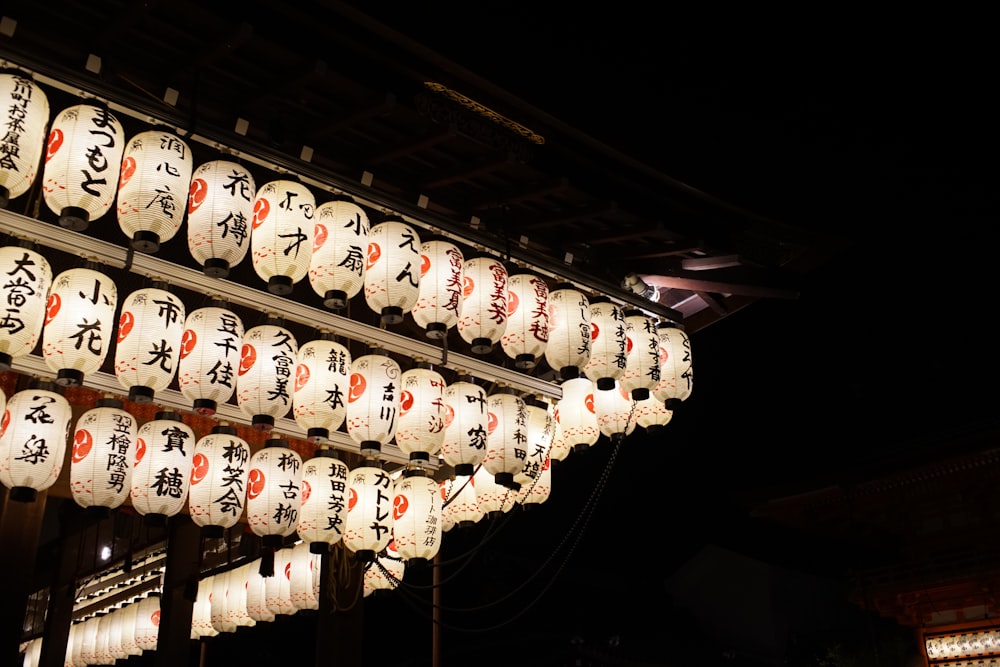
(406, 150)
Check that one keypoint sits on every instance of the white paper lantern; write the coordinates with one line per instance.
(368, 528)
(79, 323)
(148, 351)
(615, 412)
(278, 588)
(465, 423)
(642, 359)
(392, 270)
(264, 383)
(442, 267)
(676, 371)
(211, 348)
(153, 188)
(373, 402)
(568, 349)
(300, 576)
(83, 161)
(88, 640)
(74, 649)
(104, 441)
(420, 429)
(219, 214)
(459, 501)
(540, 430)
(33, 435)
(274, 492)
(281, 234)
(222, 619)
(322, 377)
(24, 290)
(161, 476)
(147, 622)
(491, 498)
(576, 414)
(416, 517)
(32, 652)
(257, 608)
(340, 250)
(385, 573)
(25, 117)
(608, 343)
(128, 629)
(507, 437)
(201, 614)
(527, 331)
(538, 490)
(238, 596)
(559, 449)
(219, 470)
(652, 414)
(324, 500)
(482, 318)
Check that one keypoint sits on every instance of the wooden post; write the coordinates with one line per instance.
(20, 530)
(174, 646)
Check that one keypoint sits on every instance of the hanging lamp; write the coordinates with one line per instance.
(219, 214)
(340, 247)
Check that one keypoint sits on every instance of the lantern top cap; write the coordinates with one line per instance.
(565, 285)
(276, 442)
(170, 415)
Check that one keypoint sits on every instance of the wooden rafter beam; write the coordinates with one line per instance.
(526, 194)
(465, 172)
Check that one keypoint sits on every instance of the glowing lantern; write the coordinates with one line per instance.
(540, 430)
(281, 234)
(161, 476)
(465, 424)
(537, 491)
(301, 563)
(277, 588)
(420, 430)
(459, 501)
(608, 343)
(560, 449)
(153, 188)
(201, 614)
(324, 500)
(373, 401)
(652, 414)
(440, 295)
(222, 618)
(116, 640)
(568, 349)
(257, 608)
(615, 412)
(416, 517)
(264, 381)
(24, 290)
(79, 319)
(32, 652)
(340, 244)
(210, 351)
(482, 316)
(25, 116)
(219, 472)
(507, 437)
(83, 160)
(128, 629)
(33, 436)
(492, 499)
(274, 493)
(527, 331)
(642, 359)
(100, 473)
(88, 643)
(368, 528)
(147, 622)
(385, 573)
(220, 208)
(150, 329)
(676, 372)
(392, 270)
(322, 377)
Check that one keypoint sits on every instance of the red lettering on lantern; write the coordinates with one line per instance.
(399, 506)
(255, 483)
(52, 307)
(512, 302)
(594, 331)
(449, 415)
(301, 376)
(357, 387)
(55, 141)
(288, 570)
(491, 423)
(188, 340)
(425, 264)
(261, 209)
(306, 491)
(319, 236)
(405, 402)
(197, 194)
(352, 499)
(374, 252)
(140, 450)
(125, 324)
(199, 467)
(155, 617)
(248, 356)
(83, 441)
(467, 286)
(589, 402)
(128, 170)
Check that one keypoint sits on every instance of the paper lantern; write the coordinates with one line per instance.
(281, 234)
(340, 247)
(79, 320)
(220, 209)
(568, 348)
(576, 414)
(222, 619)
(540, 430)
(482, 317)
(373, 401)
(459, 501)
(257, 608)
(83, 161)
(416, 517)
(24, 290)
(385, 573)
(88, 640)
(322, 383)
(210, 352)
(652, 414)
(100, 473)
(324, 500)
(538, 490)
(32, 652)
(33, 436)
(507, 437)
(560, 449)
(420, 428)
(128, 629)
(25, 117)
(492, 499)
(642, 358)
(392, 270)
(147, 622)
(368, 528)
(608, 343)
(615, 412)
(116, 641)
(153, 188)
(264, 385)
(201, 613)
(238, 596)
(440, 293)
(465, 424)
(676, 371)
(150, 329)
(274, 492)
(278, 588)
(219, 471)
(527, 331)
(299, 569)
(161, 476)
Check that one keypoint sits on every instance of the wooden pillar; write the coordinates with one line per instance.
(340, 620)
(174, 646)
(20, 530)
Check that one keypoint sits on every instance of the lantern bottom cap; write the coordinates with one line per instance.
(98, 511)
(140, 394)
(213, 531)
(5, 361)
(481, 346)
(146, 241)
(417, 562)
(215, 267)
(506, 479)
(605, 384)
(263, 422)
(74, 218)
(419, 457)
(581, 447)
(155, 519)
(640, 393)
(23, 494)
(370, 447)
(655, 429)
(318, 434)
(465, 469)
(672, 403)
(335, 299)
(436, 330)
(205, 407)
(392, 315)
(280, 285)
(569, 372)
(524, 361)
(319, 548)
(274, 541)
(69, 377)
(365, 555)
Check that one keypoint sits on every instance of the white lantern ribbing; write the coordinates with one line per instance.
(201, 614)
(459, 500)
(652, 414)
(420, 429)
(507, 437)
(128, 629)
(33, 436)
(220, 208)
(25, 111)
(527, 331)
(392, 270)
(79, 321)
(300, 576)
(150, 329)
(281, 235)
(676, 371)
(274, 492)
(161, 476)
(278, 588)
(492, 499)
(211, 348)
(615, 412)
(465, 424)
(608, 343)
(482, 317)
(32, 652)
(340, 247)
(368, 528)
(324, 500)
(576, 414)
(24, 290)
(642, 359)
(147, 622)
(88, 640)
(373, 401)
(83, 160)
(100, 473)
(219, 471)
(222, 618)
(153, 188)
(264, 384)
(540, 430)
(536, 491)
(257, 608)
(560, 449)
(322, 377)
(416, 517)
(568, 349)
(385, 573)
(440, 295)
